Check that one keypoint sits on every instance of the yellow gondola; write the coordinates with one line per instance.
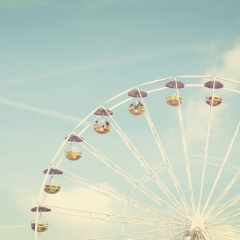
(136, 109)
(42, 227)
(104, 127)
(52, 188)
(174, 100)
(101, 128)
(217, 100)
(73, 153)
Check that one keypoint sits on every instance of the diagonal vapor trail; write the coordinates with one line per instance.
(135, 57)
(14, 226)
(40, 111)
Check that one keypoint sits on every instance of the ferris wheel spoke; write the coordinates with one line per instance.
(144, 164)
(190, 187)
(225, 206)
(215, 235)
(165, 225)
(165, 158)
(232, 213)
(137, 236)
(120, 198)
(175, 235)
(224, 229)
(221, 168)
(206, 147)
(225, 234)
(235, 222)
(225, 191)
(171, 210)
(221, 222)
(226, 216)
(204, 235)
(210, 237)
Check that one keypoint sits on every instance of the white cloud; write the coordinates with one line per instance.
(83, 199)
(229, 66)
(196, 118)
(196, 111)
(75, 198)
(40, 111)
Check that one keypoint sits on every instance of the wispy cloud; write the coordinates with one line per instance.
(77, 198)
(136, 57)
(196, 111)
(40, 111)
(229, 64)
(14, 226)
(228, 67)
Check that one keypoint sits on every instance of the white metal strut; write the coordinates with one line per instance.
(142, 235)
(206, 146)
(190, 187)
(145, 164)
(167, 225)
(220, 170)
(120, 198)
(165, 158)
(225, 191)
(171, 210)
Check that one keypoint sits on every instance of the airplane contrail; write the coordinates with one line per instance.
(14, 226)
(135, 57)
(40, 111)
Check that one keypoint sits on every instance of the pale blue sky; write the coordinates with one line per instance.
(61, 59)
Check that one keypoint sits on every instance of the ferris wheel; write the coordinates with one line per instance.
(188, 189)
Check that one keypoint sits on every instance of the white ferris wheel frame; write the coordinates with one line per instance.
(168, 214)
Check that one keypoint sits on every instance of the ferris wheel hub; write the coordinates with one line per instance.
(198, 225)
(198, 221)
